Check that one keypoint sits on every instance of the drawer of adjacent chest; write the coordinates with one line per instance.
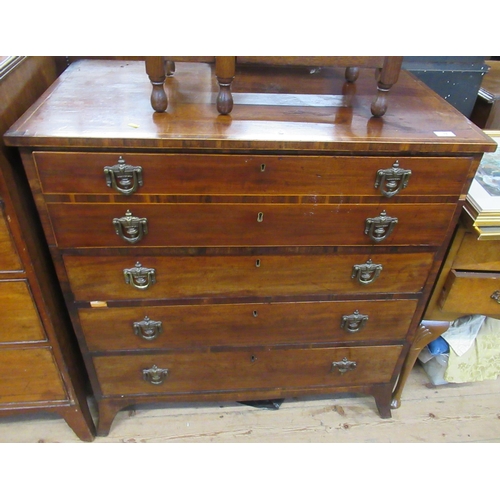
(476, 255)
(195, 372)
(116, 278)
(108, 173)
(20, 319)
(114, 225)
(471, 293)
(171, 327)
(29, 375)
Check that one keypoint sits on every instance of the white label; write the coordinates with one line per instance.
(444, 133)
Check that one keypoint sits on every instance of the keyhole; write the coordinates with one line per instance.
(257, 263)
(263, 167)
(253, 358)
(255, 314)
(260, 216)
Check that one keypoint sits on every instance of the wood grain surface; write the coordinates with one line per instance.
(410, 124)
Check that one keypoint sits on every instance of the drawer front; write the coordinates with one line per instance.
(172, 327)
(244, 370)
(117, 225)
(114, 278)
(475, 255)
(471, 293)
(29, 375)
(247, 175)
(20, 320)
(9, 259)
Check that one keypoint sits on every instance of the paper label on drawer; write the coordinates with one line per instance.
(98, 303)
(444, 133)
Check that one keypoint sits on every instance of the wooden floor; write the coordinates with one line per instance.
(465, 413)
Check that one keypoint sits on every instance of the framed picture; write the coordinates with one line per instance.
(484, 193)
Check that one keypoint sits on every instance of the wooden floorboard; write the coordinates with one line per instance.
(465, 413)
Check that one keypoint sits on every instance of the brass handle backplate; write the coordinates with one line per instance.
(344, 366)
(123, 178)
(380, 227)
(353, 323)
(140, 277)
(131, 229)
(148, 329)
(392, 180)
(366, 273)
(155, 375)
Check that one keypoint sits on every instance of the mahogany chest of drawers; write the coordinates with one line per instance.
(280, 251)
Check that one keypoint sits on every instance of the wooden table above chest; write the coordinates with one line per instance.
(287, 249)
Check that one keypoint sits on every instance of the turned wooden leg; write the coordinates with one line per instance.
(351, 74)
(107, 413)
(427, 332)
(225, 67)
(169, 68)
(155, 69)
(387, 77)
(379, 105)
(80, 422)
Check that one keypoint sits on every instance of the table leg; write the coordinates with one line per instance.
(427, 332)
(225, 67)
(387, 77)
(155, 68)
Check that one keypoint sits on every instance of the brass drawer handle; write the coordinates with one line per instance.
(380, 227)
(344, 366)
(353, 323)
(496, 296)
(140, 277)
(131, 229)
(392, 180)
(123, 178)
(366, 273)
(148, 329)
(155, 375)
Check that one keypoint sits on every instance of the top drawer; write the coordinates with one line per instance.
(91, 173)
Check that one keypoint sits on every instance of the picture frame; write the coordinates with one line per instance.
(484, 192)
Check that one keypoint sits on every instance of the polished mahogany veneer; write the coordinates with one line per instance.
(286, 249)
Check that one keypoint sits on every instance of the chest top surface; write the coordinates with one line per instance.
(106, 104)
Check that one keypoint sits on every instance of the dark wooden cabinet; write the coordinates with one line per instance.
(41, 368)
(485, 113)
(282, 250)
